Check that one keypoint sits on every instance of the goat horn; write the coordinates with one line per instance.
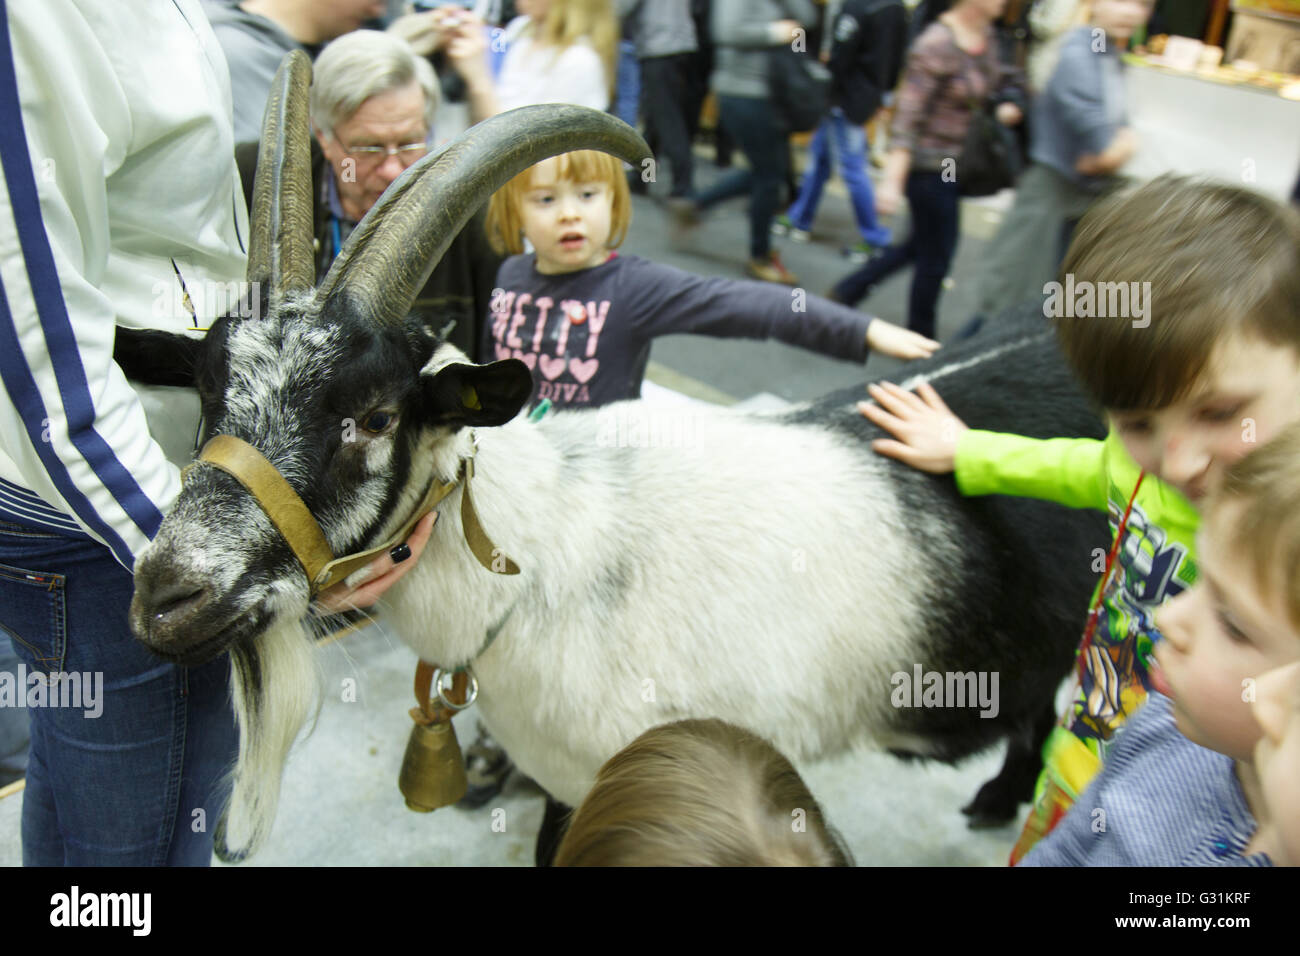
(394, 249)
(280, 240)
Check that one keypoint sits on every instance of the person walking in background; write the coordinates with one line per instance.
(701, 70)
(744, 31)
(1081, 141)
(1049, 23)
(952, 70)
(627, 80)
(863, 45)
(666, 45)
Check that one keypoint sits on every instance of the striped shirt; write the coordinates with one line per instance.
(940, 82)
(117, 183)
(1160, 800)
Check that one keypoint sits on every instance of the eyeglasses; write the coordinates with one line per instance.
(371, 155)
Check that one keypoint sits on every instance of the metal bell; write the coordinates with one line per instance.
(433, 769)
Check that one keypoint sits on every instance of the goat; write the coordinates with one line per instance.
(771, 571)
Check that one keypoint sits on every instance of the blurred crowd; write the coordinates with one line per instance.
(903, 84)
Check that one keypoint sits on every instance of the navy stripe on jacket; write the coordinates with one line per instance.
(60, 341)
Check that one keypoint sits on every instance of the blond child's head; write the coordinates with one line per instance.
(574, 208)
(699, 793)
(1178, 306)
(1242, 617)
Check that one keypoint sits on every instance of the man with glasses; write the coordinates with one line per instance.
(373, 103)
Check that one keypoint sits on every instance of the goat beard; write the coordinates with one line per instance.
(275, 686)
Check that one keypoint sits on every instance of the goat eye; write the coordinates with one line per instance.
(377, 421)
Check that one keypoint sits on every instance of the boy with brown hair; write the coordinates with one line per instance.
(1179, 310)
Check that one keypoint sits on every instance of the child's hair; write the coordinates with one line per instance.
(1218, 258)
(505, 220)
(568, 21)
(699, 793)
(1266, 532)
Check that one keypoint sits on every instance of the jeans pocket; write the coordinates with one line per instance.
(33, 613)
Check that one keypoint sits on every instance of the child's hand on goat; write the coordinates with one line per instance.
(926, 429)
(384, 572)
(899, 342)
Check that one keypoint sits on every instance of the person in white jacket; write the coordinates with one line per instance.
(120, 206)
(119, 186)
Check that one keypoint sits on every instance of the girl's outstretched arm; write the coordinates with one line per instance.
(663, 300)
(897, 341)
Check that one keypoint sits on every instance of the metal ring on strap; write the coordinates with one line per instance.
(471, 692)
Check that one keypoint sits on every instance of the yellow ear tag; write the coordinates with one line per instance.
(469, 398)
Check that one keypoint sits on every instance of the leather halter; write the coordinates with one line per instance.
(302, 532)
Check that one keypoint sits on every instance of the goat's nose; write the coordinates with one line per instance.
(174, 603)
(163, 611)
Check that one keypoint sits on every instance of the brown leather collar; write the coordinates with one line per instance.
(303, 534)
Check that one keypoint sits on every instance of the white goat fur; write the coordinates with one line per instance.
(722, 579)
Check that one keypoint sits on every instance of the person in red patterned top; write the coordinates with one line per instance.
(952, 69)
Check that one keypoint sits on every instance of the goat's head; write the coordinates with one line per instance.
(335, 387)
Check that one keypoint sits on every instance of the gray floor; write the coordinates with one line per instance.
(341, 803)
(341, 806)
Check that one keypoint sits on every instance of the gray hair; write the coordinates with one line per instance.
(362, 64)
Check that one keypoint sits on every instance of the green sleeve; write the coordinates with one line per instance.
(1069, 471)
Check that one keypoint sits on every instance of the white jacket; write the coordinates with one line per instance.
(123, 161)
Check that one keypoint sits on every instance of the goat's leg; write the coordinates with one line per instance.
(999, 799)
(554, 822)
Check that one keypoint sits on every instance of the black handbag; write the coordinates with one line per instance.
(990, 157)
(800, 87)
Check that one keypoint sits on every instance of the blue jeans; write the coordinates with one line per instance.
(627, 88)
(124, 786)
(931, 244)
(850, 145)
(753, 124)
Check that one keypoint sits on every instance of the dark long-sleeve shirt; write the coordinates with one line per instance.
(940, 85)
(586, 335)
(866, 54)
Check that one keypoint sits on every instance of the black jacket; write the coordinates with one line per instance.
(459, 289)
(867, 49)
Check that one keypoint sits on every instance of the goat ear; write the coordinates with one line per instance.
(459, 394)
(156, 358)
